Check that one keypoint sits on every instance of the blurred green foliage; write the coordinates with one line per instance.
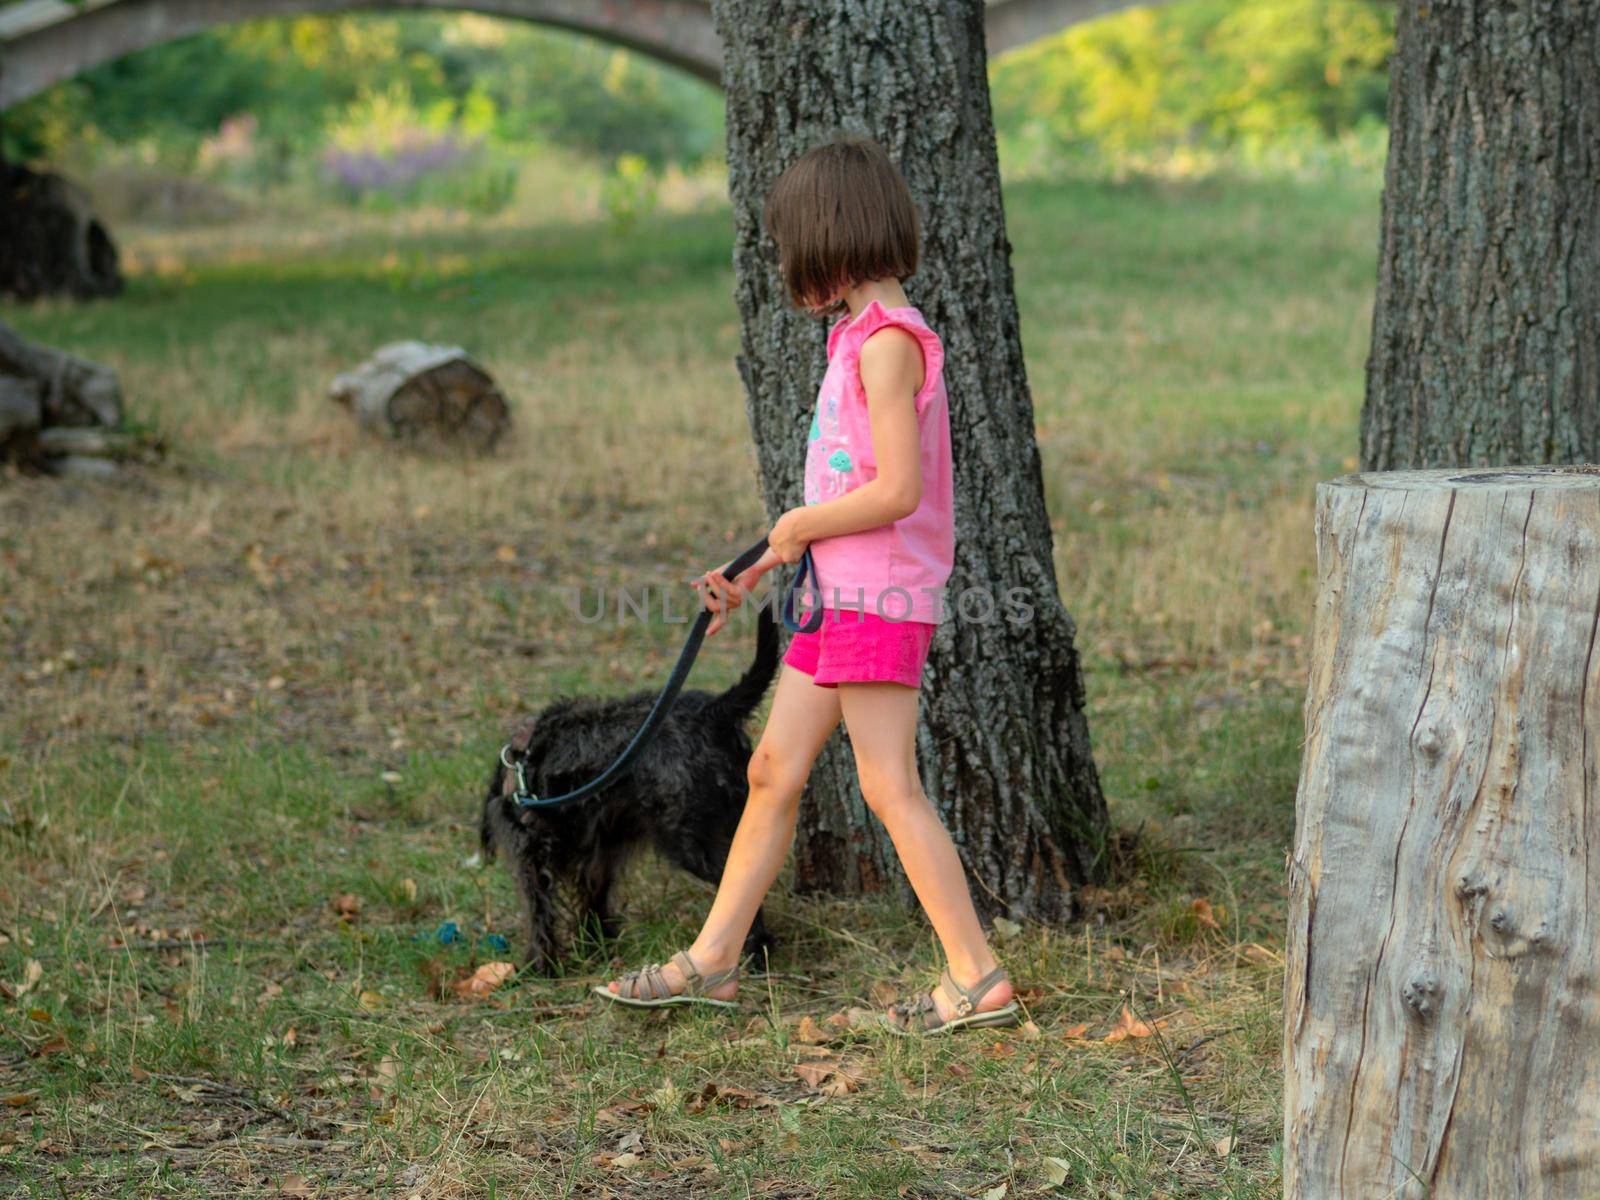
(334, 101)
(1204, 74)
(301, 77)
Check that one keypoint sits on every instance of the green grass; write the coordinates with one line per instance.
(270, 673)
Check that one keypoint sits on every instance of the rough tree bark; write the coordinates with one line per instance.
(1004, 744)
(1442, 1002)
(1486, 331)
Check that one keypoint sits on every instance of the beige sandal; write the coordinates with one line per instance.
(919, 1016)
(647, 988)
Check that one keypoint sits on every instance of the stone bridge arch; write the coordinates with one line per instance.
(43, 42)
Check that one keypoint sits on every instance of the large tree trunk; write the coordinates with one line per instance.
(1486, 332)
(1442, 1004)
(1004, 745)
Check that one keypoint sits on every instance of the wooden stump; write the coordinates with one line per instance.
(416, 392)
(1442, 1005)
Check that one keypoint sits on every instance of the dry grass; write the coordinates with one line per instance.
(270, 674)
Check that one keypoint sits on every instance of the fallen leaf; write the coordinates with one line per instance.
(371, 1001)
(666, 1096)
(1205, 914)
(1223, 1146)
(734, 1097)
(883, 993)
(813, 1073)
(810, 1032)
(20, 1099)
(629, 1159)
(55, 1045)
(32, 972)
(295, 1185)
(1075, 1031)
(846, 1079)
(347, 905)
(1056, 1171)
(830, 1078)
(485, 979)
(1005, 929)
(1030, 1031)
(1129, 1026)
(998, 1192)
(385, 1077)
(852, 1018)
(621, 1114)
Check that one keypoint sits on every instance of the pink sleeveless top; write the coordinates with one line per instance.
(896, 571)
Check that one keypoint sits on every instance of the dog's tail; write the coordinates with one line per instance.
(739, 701)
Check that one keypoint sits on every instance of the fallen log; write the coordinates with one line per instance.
(55, 405)
(416, 392)
(112, 445)
(71, 390)
(1442, 999)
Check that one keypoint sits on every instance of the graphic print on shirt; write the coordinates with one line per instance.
(832, 476)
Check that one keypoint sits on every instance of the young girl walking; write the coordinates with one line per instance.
(878, 521)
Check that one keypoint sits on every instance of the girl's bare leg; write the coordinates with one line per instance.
(882, 720)
(802, 717)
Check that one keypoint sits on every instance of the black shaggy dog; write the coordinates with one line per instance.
(683, 796)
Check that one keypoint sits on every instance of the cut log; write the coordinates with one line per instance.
(112, 445)
(51, 242)
(41, 387)
(21, 408)
(1442, 1004)
(418, 392)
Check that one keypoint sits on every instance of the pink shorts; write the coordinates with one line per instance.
(857, 647)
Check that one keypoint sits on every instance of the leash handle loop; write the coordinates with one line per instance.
(805, 569)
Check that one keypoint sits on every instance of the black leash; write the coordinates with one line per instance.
(523, 797)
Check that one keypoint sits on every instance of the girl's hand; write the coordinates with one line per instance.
(722, 595)
(786, 539)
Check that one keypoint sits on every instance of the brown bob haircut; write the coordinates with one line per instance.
(841, 215)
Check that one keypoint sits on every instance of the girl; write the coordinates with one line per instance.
(878, 519)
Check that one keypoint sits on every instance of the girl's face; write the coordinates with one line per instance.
(832, 305)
